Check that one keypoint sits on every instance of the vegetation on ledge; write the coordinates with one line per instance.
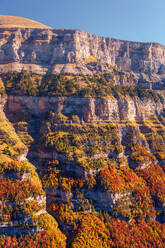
(99, 85)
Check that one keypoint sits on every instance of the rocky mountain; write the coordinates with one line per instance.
(82, 137)
(44, 50)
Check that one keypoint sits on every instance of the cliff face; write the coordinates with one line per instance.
(89, 110)
(128, 121)
(97, 141)
(22, 199)
(54, 51)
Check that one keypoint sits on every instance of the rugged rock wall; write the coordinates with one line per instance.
(22, 199)
(136, 121)
(88, 109)
(88, 151)
(53, 51)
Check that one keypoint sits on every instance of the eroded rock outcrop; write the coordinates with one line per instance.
(88, 109)
(55, 51)
(96, 142)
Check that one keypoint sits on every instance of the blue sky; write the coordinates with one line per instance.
(138, 20)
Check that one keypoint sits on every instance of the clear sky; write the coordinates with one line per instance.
(138, 20)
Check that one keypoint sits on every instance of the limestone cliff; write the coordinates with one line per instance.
(22, 199)
(86, 111)
(124, 122)
(91, 110)
(53, 51)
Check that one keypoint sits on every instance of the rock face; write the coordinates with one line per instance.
(90, 152)
(88, 109)
(135, 121)
(53, 51)
(22, 199)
